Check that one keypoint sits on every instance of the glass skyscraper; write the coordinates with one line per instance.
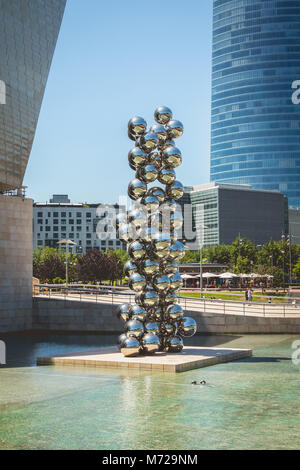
(255, 136)
(28, 35)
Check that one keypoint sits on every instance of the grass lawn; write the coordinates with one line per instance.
(234, 296)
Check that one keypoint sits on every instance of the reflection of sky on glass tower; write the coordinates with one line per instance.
(255, 125)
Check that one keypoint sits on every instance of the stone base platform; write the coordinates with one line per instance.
(190, 358)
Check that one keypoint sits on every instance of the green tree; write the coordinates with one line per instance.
(296, 270)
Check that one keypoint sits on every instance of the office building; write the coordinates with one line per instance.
(81, 223)
(255, 132)
(28, 34)
(220, 212)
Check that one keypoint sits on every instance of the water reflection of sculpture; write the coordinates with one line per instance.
(155, 322)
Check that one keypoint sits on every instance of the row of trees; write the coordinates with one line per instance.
(242, 256)
(49, 265)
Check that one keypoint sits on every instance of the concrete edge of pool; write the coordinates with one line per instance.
(190, 358)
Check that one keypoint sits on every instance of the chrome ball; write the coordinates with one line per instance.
(175, 312)
(150, 202)
(175, 190)
(150, 343)
(147, 234)
(170, 298)
(160, 131)
(152, 327)
(149, 142)
(124, 312)
(138, 218)
(150, 267)
(137, 282)
(136, 189)
(121, 340)
(157, 314)
(147, 299)
(137, 126)
(187, 327)
(172, 157)
(176, 281)
(157, 192)
(134, 328)
(155, 159)
(162, 241)
(176, 220)
(163, 115)
(130, 347)
(170, 268)
(176, 251)
(137, 158)
(138, 313)
(136, 250)
(161, 282)
(166, 176)
(169, 206)
(168, 329)
(175, 129)
(130, 268)
(147, 174)
(174, 344)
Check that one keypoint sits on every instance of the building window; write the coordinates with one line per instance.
(40, 221)
(41, 228)
(63, 214)
(63, 229)
(40, 214)
(70, 214)
(49, 214)
(88, 215)
(55, 236)
(88, 235)
(40, 243)
(71, 221)
(55, 214)
(79, 215)
(48, 229)
(55, 221)
(63, 221)
(78, 221)
(55, 229)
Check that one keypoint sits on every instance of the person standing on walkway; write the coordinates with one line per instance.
(246, 295)
(250, 295)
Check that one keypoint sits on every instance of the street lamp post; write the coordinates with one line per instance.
(67, 243)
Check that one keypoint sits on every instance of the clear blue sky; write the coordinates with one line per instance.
(115, 60)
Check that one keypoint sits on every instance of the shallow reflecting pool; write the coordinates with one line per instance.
(251, 403)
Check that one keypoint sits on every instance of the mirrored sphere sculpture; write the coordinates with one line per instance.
(155, 322)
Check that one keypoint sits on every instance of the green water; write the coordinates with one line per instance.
(247, 404)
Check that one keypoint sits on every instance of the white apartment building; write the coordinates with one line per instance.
(87, 225)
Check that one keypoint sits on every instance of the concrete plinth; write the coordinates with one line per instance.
(190, 358)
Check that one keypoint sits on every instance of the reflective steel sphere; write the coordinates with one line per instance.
(137, 158)
(157, 314)
(134, 328)
(149, 142)
(157, 192)
(136, 189)
(176, 251)
(136, 250)
(174, 344)
(162, 241)
(130, 268)
(152, 327)
(187, 326)
(138, 313)
(169, 206)
(160, 131)
(175, 129)
(161, 282)
(169, 267)
(175, 190)
(155, 159)
(150, 343)
(176, 281)
(124, 312)
(175, 312)
(150, 202)
(150, 267)
(172, 157)
(137, 282)
(166, 176)
(176, 220)
(147, 174)
(130, 347)
(121, 340)
(138, 218)
(168, 329)
(137, 126)
(170, 298)
(163, 115)
(147, 234)
(147, 299)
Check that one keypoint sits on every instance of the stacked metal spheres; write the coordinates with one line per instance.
(156, 322)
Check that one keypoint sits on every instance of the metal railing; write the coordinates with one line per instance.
(210, 306)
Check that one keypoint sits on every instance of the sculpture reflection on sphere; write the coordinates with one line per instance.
(155, 322)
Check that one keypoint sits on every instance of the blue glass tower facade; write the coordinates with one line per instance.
(255, 136)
